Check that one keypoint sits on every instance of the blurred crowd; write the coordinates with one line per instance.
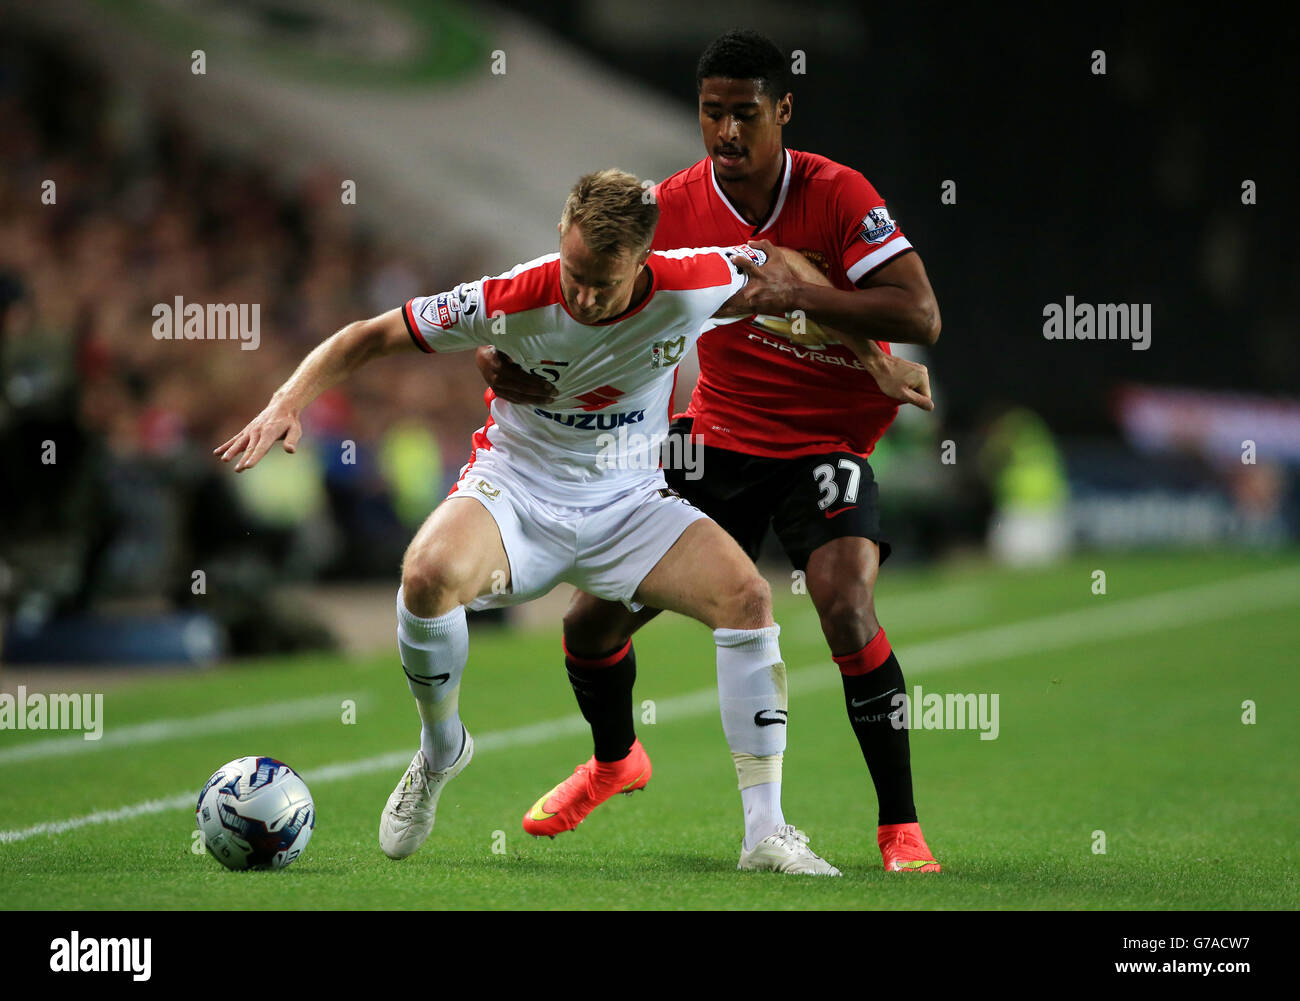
(109, 206)
(112, 205)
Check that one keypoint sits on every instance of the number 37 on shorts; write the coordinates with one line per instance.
(829, 478)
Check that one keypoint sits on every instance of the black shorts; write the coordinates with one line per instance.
(808, 501)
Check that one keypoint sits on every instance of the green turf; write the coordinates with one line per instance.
(1138, 735)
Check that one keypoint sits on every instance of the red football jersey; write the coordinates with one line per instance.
(758, 392)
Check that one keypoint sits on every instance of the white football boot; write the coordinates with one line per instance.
(786, 851)
(408, 816)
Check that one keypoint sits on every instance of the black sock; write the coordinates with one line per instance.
(869, 698)
(604, 695)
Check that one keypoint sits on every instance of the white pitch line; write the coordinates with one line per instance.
(292, 711)
(960, 604)
(1203, 603)
(103, 817)
(1101, 620)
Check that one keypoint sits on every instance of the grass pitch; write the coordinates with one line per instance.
(1119, 713)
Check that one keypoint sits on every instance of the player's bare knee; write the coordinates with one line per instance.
(848, 622)
(748, 605)
(590, 632)
(431, 584)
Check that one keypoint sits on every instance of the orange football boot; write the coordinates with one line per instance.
(567, 805)
(904, 849)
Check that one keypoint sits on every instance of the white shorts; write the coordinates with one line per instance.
(606, 550)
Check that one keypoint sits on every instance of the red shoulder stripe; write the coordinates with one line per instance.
(691, 272)
(530, 289)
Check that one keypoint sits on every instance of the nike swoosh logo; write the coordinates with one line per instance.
(634, 781)
(832, 514)
(858, 705)
(761, 720)
(915, 864)
(538, 812)
(427, 682)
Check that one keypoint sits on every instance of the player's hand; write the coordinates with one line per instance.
(772, 287)
(509, 381)
(902, 380)
(274, 423)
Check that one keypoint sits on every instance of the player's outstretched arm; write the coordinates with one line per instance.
(329, 363)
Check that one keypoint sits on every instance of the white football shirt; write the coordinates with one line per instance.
(613, 380)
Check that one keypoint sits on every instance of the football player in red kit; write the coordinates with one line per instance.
(787, 424)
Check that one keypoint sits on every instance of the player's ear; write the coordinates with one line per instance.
(784, 109)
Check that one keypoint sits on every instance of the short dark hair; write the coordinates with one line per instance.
(744, 54)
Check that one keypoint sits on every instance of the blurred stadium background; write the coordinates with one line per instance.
(227, 186)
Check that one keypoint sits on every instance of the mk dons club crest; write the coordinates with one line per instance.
(667, 353)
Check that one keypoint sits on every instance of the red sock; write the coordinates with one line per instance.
(868, 658)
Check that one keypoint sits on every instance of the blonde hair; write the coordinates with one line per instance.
(615, 212)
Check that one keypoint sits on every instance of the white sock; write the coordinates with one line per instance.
(762, 811)
(434, 652)
(753, 702)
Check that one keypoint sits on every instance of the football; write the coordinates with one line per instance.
(255, 813)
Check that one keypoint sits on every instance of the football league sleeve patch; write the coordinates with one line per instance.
(744, 250)
(738, 277)
(720, 285)
(448, 321)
